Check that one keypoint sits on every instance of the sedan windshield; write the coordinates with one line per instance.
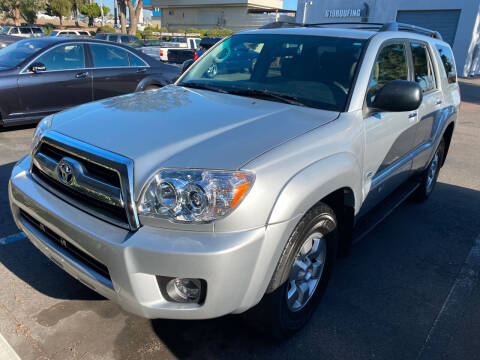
(13, 55)
(313, 71)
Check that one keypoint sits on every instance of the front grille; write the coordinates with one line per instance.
(71, 249)
(107, 175)
(96, 181)
(114, 212)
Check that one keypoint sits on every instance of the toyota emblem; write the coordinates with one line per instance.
(65, 172)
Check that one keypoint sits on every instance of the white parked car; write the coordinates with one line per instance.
(70, 33)
(23, 31)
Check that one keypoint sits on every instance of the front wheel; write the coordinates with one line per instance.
(429, 177)
(303, 270)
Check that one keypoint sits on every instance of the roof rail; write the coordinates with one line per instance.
(280, 24)
(391, 26)
(394, 26)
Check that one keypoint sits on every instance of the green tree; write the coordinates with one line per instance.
(92, 11)
(19, 10)
(59, 8)
(76, 5)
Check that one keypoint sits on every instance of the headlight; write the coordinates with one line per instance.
(186, 196)
(42, 127)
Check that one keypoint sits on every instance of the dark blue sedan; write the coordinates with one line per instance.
(45, 75)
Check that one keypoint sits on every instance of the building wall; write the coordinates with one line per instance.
(467, 39)
(235, 18)
(189, 3)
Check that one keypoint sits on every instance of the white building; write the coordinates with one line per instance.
(457, 21)
(235, 15)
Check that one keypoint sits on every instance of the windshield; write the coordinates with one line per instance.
(312, 71)
(14, 54)
(5, 30)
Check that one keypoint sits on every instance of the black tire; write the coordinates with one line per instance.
(273, 314)
(428, 180)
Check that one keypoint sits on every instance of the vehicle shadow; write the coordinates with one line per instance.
(381, 300)
(16, 127)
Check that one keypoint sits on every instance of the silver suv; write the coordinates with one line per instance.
(236, 188)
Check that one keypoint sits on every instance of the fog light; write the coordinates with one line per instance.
(184, 290)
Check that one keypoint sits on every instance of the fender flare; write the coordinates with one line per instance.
(316, 181)
(154, 79)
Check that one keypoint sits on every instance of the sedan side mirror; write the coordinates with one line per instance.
(186, 64)
(37, 67)
(398, 95)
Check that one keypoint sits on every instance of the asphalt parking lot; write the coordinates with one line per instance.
(409, 290)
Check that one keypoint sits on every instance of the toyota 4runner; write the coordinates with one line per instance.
(237, 187)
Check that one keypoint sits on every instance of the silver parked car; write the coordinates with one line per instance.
(236, 188)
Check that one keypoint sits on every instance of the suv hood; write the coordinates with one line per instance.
(188, 128)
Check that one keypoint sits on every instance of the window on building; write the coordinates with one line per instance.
(422, 67)
(448, 63)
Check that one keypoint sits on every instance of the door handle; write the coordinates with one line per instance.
(141, 70)
(412, 115)
(82, 75)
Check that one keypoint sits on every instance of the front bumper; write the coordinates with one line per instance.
(228, 262)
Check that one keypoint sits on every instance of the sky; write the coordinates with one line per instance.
(287, 4)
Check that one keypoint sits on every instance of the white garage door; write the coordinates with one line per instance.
(443, 21)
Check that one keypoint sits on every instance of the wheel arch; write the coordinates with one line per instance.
(339, 188)
(156, 80)
(447, 137)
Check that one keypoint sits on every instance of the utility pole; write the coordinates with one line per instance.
(115, 5)
(101, 11)
(305, 4)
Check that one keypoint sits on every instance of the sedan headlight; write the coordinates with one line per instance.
(42, 127)
(190, 195)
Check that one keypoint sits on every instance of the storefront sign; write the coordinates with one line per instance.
(342, 13)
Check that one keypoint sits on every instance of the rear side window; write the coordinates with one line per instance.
(391, 64)
(105, 56)
(37, 31)
(113, 38)
(25, 31)
(448, 63)
(135, 61)
(422, 67)
(124, 39)
(83, 33)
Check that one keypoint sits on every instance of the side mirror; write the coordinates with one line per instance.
(398, 95)
(186, 64)
(37, 67)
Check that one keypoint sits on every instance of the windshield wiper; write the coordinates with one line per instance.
(195, 85)
(267, 94)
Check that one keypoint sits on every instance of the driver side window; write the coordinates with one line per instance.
(391, 64)
(64, 57)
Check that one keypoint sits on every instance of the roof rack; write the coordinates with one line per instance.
(380, 27)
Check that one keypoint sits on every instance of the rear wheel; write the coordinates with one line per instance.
(429, 177)
(304, 269)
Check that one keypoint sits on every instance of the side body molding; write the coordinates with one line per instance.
(313, 183)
